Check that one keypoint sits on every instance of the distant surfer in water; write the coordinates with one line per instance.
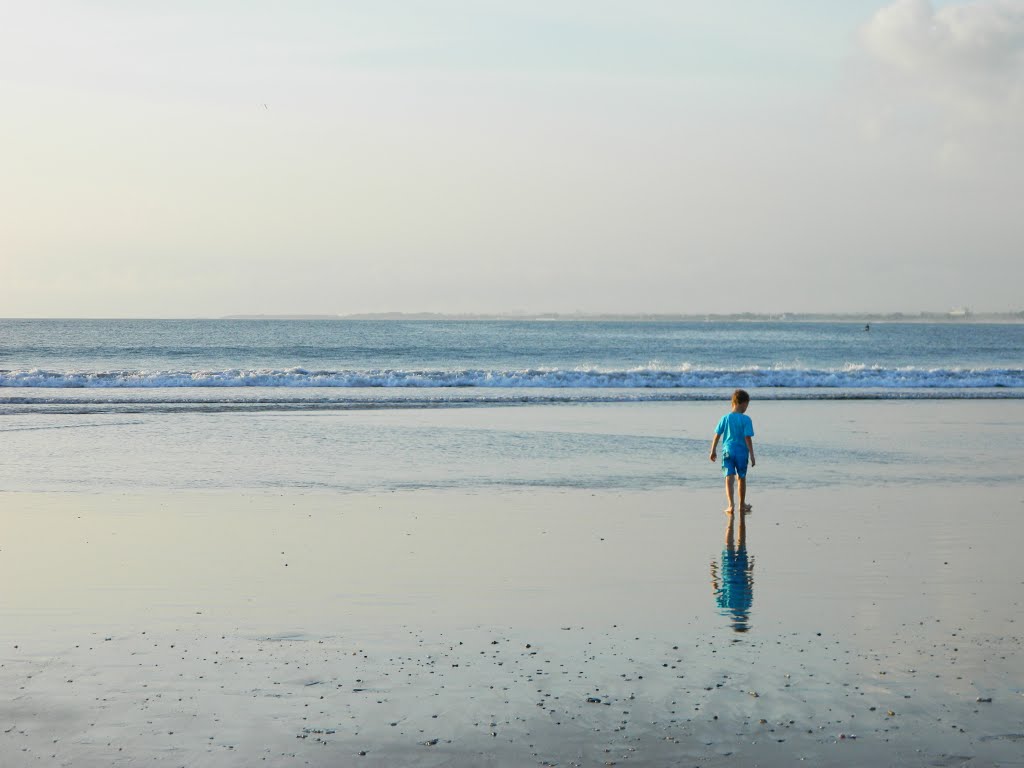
(735, 430)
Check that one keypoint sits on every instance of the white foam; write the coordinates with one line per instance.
(852, 376)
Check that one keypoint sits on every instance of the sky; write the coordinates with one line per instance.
(212, 157)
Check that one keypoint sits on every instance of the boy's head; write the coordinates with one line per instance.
(740, 400)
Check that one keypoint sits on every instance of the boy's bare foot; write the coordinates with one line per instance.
(728, 510)
(748, 508)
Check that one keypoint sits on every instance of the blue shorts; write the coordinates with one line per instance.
(734, 464)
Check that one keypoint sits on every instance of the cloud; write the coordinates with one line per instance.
(967, 60)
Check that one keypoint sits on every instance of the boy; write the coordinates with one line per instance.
(735, 429)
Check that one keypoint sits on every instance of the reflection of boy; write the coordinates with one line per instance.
(734, 594)
(733, 580)
(735, 430)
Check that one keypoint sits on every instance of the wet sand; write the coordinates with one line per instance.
(512, 628)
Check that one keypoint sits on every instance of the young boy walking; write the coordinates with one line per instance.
(735, 430)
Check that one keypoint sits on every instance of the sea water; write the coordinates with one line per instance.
(880, 562)
(387, 405)
(684, 358)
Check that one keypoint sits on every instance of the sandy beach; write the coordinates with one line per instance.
(525, 627)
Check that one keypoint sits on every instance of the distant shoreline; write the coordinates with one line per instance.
(894, 317)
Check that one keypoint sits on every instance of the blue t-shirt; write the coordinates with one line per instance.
(734, 427)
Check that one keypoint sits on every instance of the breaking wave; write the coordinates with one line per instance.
(684, 377)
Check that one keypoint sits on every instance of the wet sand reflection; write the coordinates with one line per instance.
(732, 580)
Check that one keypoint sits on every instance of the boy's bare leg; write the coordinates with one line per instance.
(744, 507)
(728, 493)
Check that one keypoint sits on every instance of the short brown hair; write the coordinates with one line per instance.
(740, 396)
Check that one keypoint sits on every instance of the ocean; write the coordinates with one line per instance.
(580, 360)
(371, 405)
(424, 542)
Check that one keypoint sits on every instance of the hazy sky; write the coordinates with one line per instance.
(206, 157)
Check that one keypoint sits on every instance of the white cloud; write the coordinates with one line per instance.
(967, 60)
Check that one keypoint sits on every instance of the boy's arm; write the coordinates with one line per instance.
(750, 450)
(714, 446)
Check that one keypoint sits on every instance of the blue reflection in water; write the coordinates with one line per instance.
(733, 579)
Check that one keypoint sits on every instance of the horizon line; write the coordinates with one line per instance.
(954, 314)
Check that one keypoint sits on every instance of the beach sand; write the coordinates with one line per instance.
(511, 628)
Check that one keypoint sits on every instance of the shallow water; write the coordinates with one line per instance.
(244, 565)
(878, 512)
(596, 445)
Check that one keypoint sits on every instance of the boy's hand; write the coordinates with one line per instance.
(713, 456)
(753, 461)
